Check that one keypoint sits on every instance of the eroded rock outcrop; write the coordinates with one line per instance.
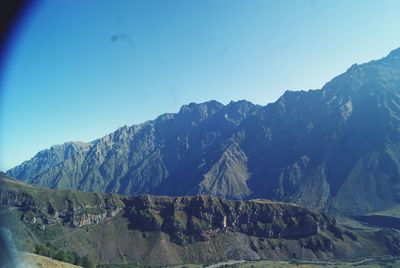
(181, 217)
(201, 215)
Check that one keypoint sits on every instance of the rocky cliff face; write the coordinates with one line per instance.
(193, 217)
(41, 206)
(120, 229)
(196, 217)
(337, 148)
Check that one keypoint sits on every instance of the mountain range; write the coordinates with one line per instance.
(333, 149)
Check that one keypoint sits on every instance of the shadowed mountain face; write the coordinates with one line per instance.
(336, 148)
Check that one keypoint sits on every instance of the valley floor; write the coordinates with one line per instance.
(287, 264)
(28, 260)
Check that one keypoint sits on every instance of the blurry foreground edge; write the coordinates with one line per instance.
(11, 13)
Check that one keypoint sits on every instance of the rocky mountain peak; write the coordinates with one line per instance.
(209, 106)
(394, 54)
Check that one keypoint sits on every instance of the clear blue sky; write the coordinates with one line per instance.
(78, 70)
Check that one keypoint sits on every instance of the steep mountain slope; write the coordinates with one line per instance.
(336, 148)
(173, 230)
(169, 155)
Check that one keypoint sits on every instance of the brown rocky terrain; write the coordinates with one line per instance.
(174, 230)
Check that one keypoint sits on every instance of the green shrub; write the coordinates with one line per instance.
(64, 256)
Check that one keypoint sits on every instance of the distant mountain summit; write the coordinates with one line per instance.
(337, 148)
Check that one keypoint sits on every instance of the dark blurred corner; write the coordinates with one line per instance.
(10, 13)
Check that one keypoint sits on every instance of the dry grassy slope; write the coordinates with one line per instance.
(29, 260)
(114, 242)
